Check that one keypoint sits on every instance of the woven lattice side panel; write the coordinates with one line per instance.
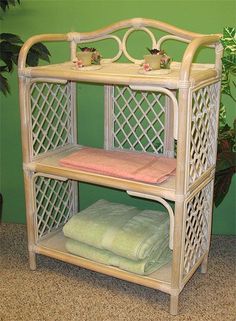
(138, 120)
(198, 218)
(54, 204)
(51, 116)
(203, 130)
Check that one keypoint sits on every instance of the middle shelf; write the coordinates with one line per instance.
(50, 165)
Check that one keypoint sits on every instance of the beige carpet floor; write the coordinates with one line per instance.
(57, 291)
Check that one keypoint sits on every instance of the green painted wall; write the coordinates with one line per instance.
(56, 16)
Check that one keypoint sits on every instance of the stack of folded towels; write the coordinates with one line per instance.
(119, 235)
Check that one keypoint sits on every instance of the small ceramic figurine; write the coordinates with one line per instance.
(86, 57)
(157, 59)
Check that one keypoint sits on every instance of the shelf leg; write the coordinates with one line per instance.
(174, 300)
(32, 260)
(203, 267)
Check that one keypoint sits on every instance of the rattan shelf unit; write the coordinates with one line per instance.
(173, 114)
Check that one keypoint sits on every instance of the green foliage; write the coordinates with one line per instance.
(226, 156)
(5, 4)
(228, 42)
(10, 46)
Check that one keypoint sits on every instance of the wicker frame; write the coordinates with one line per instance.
(188, 103)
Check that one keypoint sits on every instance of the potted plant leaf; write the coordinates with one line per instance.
(10, 45)
(226, 156)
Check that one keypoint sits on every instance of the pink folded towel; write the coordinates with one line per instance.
(129, 165)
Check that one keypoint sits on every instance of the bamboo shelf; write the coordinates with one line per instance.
(171, 113)
(121, 74)
(50, 165)
(54, 246)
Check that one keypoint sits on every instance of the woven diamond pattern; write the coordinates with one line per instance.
(203, 131)
(54, 204)
(51, 116)
(138, 120)
(197, 221)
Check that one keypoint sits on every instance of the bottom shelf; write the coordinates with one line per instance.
(54, 246)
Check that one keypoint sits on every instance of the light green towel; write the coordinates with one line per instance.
(123, 230)
(154, 261)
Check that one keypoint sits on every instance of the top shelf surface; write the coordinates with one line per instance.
(121, 73)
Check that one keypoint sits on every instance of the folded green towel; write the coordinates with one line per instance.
(123, 230)
(154, 261)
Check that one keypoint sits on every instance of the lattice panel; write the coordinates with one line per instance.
(198, 214)
(51, 124)
(138, 120)
(54, 204)
(203, 130)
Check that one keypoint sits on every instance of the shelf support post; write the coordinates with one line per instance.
(165, 204)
